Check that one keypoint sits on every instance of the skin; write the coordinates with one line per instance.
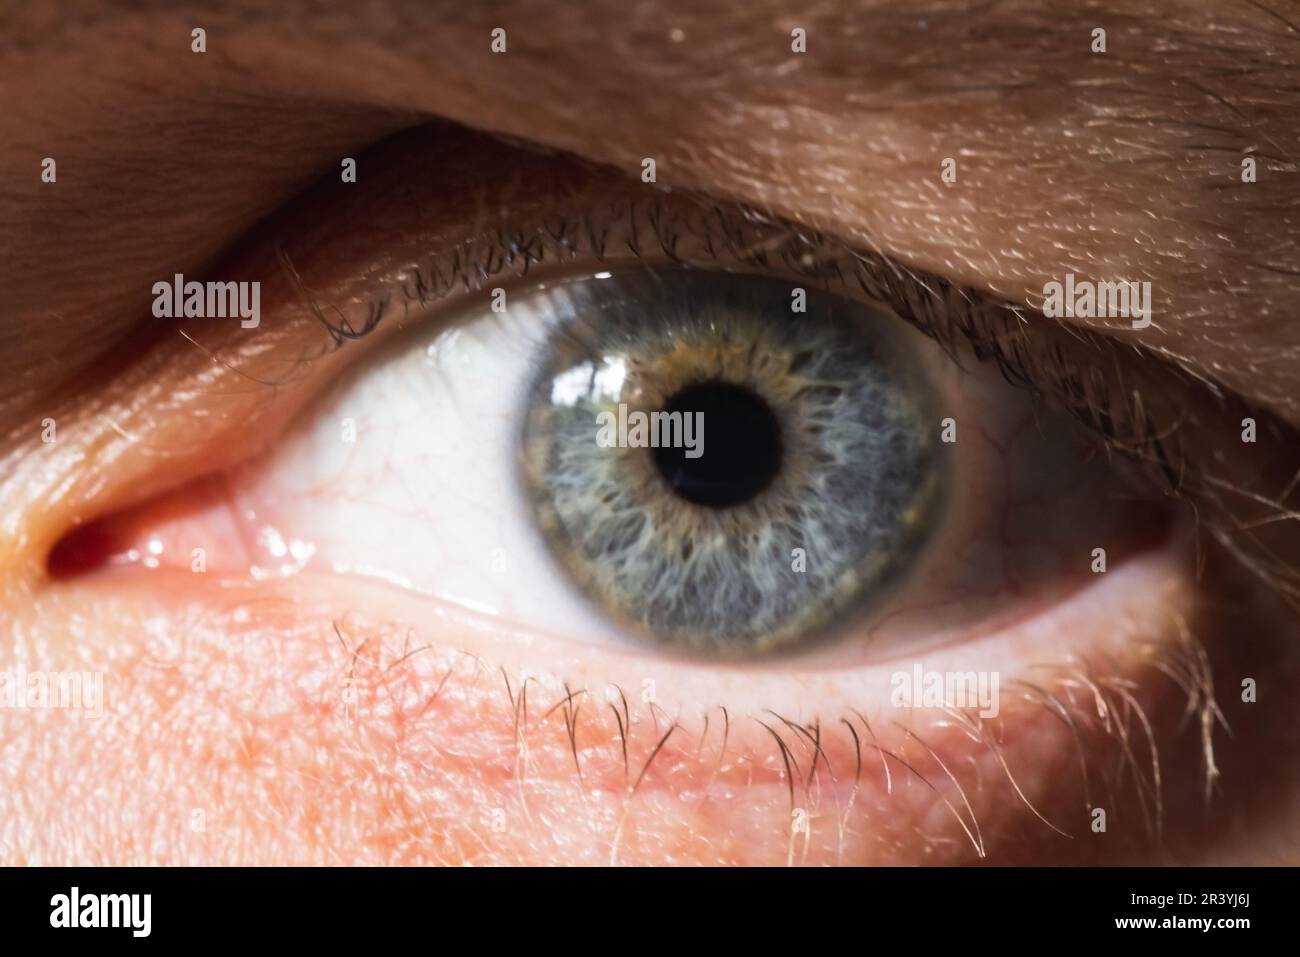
(324, 719)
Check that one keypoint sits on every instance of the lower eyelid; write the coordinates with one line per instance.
(397, 691)
(469, 728)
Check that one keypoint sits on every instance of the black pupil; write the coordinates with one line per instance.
(741, 447)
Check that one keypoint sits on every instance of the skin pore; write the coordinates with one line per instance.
(321, 719)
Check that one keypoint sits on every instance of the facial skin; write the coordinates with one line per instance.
(323, 719)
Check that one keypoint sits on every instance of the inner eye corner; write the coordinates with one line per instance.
(78, 551)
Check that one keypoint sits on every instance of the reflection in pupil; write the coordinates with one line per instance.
(741, 447)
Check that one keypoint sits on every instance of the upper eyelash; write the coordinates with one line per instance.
(1030, 350)
(962, 320)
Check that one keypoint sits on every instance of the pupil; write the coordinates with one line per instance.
(741, 448)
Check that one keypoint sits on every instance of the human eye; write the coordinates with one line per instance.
(407, 580)
(812, 483)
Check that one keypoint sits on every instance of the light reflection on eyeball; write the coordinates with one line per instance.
(690, 432)
(432, 463)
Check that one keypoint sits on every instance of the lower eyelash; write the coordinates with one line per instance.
(809, 757)
(1107, 706)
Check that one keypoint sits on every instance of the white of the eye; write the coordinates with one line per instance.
(426, 495)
